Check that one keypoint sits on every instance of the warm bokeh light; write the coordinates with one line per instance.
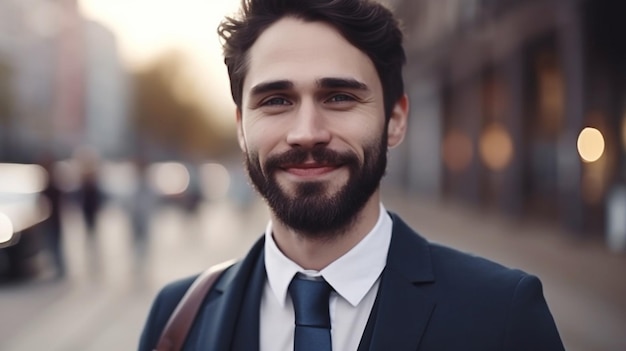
(214, 180)
(169, 178)
(590, 144)
(22, 178)
(457, 150)
(496, 147)
(6, 229)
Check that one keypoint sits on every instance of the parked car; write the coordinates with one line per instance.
(21, 210)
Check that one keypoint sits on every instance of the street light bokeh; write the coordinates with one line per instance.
(590, 144)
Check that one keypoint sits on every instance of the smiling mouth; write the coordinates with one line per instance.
(309, 169)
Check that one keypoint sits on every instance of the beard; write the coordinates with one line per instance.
(313, 210)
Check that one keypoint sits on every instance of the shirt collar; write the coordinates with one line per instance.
(351, 275)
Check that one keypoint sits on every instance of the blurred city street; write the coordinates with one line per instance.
(103, 302)
(120, 166)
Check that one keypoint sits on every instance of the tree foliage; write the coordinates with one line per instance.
(167, 111)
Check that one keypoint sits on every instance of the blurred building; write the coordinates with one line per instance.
(61, 81)
(27, 47)
(517, 105)
(108, 94)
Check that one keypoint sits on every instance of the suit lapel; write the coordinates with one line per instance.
(404, 308)
(246, 332)
(216, 323)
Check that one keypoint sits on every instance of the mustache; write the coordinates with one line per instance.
(319, 154)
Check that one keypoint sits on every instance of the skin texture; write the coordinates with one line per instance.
(307, 88)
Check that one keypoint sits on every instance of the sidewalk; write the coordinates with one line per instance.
(584, 284)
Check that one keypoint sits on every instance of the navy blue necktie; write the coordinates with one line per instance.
(310, 303)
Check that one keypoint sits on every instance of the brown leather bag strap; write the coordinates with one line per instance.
(178, 326)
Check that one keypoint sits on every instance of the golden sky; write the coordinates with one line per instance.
(145, 28)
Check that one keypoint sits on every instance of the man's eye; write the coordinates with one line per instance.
(340, 98)
(275, 101)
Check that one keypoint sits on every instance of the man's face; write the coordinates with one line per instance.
(312, 126)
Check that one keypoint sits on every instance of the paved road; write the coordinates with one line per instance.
(103, 302)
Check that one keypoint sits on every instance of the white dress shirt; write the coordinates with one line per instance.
(354, 277)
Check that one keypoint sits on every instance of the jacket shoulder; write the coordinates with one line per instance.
(467, 271)
(501, 305)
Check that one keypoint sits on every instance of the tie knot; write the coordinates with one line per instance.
(310, 302)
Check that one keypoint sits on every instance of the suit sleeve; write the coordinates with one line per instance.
(531, 325)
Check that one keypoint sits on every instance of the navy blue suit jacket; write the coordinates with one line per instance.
(431, 298)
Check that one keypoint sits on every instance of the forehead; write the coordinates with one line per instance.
(302, 52)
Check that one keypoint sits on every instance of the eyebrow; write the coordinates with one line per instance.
(326, 83)
(265, 87)
(342, 83)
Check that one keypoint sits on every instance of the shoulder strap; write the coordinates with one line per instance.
(178, 326)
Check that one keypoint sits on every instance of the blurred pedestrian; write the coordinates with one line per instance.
(320, 101)
(51, 226)
(90, 194)
(90, 201)
(143, 203)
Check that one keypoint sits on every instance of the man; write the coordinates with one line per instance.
(320, 99)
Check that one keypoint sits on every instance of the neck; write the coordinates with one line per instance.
(317, 253)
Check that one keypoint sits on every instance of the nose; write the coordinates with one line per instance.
(308, 127)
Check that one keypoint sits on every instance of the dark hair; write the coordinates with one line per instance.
(367, 25)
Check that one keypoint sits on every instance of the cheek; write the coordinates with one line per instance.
(260, 140)
(365, 135)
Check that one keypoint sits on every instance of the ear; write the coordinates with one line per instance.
(396, 128)
(240, 135)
